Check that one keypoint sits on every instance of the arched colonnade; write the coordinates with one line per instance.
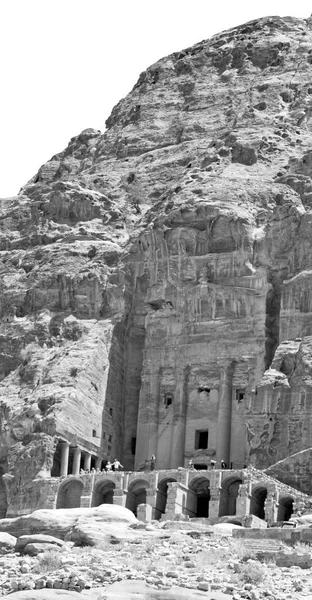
(165, 494)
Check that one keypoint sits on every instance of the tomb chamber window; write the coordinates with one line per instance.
(240, 395)
(201, 439)
(168, 400)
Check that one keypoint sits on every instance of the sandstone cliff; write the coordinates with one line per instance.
(156, 278)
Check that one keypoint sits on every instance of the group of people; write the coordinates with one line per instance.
(212, 464)
(114, 466)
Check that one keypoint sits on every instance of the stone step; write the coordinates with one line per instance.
(263, 546)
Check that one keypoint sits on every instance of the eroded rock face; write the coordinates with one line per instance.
(149, 273)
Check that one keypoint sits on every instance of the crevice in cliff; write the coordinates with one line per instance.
(272, 319)
(3, 495)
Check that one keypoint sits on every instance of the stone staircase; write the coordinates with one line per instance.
(262, 547)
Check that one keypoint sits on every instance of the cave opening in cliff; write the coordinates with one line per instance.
(272, 321)
(258, 499)
(228, 497)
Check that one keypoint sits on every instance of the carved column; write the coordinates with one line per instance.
(87, 462)
(76, 461)
(224, 416)
(64, 459)
(179, 419)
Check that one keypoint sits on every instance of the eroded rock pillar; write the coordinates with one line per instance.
(215, 494)
(76, 461)
(87, 462)
(243, 499)
(224, 416)
(271, 505)
(64, 459)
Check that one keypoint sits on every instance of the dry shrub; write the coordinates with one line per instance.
(252, 572)
(240, 551)
(48, 561)
(302, 548)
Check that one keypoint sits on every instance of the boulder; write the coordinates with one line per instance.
(59, 522)
(50, 594)
(93, 533)
(294, 559)
(225, 528)
(7, 543)
(34, 548)
(24, 540)
(134, 590)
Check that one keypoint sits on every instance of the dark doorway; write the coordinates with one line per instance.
(257, 502)
(285, 509)
(201, 439)
(200, 486)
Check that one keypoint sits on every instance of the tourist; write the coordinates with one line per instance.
(153, 462)
(223, 464)
(116, 465)
(108, 466)
(213, 464)
(191, 464)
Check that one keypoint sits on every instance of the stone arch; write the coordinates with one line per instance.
(258, 498)
(136, 494)
(199, 501)
(285, 508)
(69, 494)
(103, 493)
(228, 497)
(162, 495)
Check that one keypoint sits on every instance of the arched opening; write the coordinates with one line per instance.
(162, 494)
(285, 508)
(228, 497)
(136, 495)
(69, 494)
(258, 499)
(200, 487)
(103, 493)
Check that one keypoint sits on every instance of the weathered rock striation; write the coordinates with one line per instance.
(156, 278)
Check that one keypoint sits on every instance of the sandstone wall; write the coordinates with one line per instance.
(167, 257)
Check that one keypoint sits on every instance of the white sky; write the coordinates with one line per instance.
(64, 64)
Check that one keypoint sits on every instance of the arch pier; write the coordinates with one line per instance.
(181, 493)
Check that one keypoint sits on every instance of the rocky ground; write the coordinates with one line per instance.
(162, 558)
